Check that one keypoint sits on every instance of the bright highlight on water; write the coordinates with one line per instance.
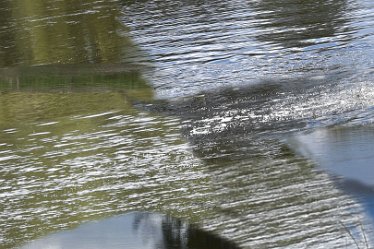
(196, 110)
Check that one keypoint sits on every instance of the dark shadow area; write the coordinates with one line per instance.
(295, 23)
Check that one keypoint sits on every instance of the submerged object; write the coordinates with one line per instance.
(138, 230)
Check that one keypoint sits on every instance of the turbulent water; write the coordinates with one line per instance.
(181, 107)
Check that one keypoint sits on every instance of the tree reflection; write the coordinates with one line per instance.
(50, 32)
(295, 23)
(7, 46)
(66, 45)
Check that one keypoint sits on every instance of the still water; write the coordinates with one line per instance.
(182, 108)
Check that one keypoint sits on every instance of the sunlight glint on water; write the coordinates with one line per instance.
(81, 137)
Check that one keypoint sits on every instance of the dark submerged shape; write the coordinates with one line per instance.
(134, 231)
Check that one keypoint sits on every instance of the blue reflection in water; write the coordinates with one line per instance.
(345, 152)
(137, 230)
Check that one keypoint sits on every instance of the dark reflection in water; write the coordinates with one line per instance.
(125, 77)
(205, 45)
(134, 231)
(53, 48)
(301, 24)
(178, 234)
(7, 54)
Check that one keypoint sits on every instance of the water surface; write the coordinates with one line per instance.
(138, 230)
(181, 107)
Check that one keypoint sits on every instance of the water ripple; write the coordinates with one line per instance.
(207, 45)
(215, 157)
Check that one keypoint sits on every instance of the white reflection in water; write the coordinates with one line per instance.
(343, 151)
(346, 152)
(114, 233)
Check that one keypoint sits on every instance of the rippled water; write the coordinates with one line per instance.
(181, 107)
(202, 45)
(138, 230)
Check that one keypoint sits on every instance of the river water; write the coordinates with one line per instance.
(182, 108)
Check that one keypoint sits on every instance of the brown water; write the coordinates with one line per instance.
(181, 107)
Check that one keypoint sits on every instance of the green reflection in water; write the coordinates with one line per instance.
(66, 69)
(58, 47)
(50, 32)
(80, 158)
(49, 92)
(67, 46)
(67, 156)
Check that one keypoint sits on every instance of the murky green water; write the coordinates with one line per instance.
(181, 108)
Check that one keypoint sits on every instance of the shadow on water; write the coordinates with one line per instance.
(134, 231)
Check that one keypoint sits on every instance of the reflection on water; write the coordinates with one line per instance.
(345, 152)
(81, 137)
(204, 45)
(237, 134)
(126, 78)
(87, 160)
(74, 32)
(302, 25)
(134, 231)
(67, 46)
